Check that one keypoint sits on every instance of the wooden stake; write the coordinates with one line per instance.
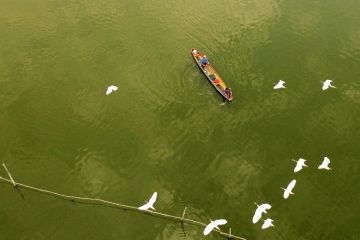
(182, 222)
(183, 213)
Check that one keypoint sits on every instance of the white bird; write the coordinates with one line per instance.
(267, 223)
(110, 89)
(280, 84)
(214, 224)
(259, 211)
(299, 164)
(327, 84)
(289, 189)
(325, 164)
(150, 203)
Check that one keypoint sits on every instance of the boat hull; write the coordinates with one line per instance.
(213, 77)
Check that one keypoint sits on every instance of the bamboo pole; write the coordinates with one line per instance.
(8, 173)
(97, 201)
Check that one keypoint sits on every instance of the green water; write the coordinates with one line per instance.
(166, 130)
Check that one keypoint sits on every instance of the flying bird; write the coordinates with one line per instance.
(280, 84)
(214, 224)
(149, 205)
(299, 164)
(267, 223)
(259, 211)
(111, 89)
(327, 84)
(325, 164)
(289, 189)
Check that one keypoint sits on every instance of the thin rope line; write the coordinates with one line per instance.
(102, 202)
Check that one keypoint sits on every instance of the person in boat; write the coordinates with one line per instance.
(194, 52)
(217, 81)
(204, 61)
(228, 92)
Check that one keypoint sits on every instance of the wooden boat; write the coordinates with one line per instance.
(213, 77)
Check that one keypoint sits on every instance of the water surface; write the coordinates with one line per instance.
(166, 130)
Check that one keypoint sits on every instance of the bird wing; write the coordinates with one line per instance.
(265, 206)
(114, 88)
(256, 216)
(220, 222)
(291, 185)
(209, 228)
(286, 194)
(267, 223)
(108, 91)
(325, 85)
(298, 167)
(299, 164)
(145, 206)
(153, 198)
(279, 84)
(325, 163)
(268, 206)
